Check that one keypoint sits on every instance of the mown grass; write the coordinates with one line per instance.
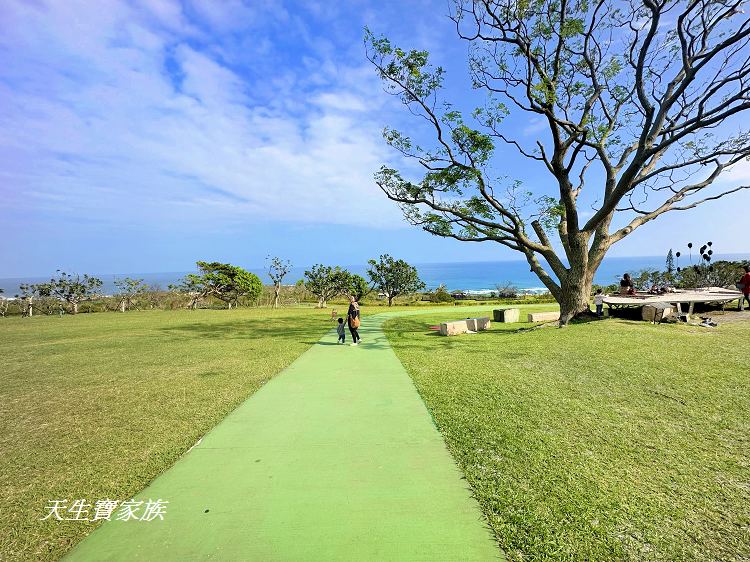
(611, 440)
(95, 406)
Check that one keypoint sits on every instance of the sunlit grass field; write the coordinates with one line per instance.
(95, 406)
(612, 440)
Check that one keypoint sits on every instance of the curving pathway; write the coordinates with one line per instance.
(336, 458)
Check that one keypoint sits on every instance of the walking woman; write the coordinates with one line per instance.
(353, 319)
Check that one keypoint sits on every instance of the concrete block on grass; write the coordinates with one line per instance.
(543, 316)
(464, 326)
(478, 324)
(506, 315)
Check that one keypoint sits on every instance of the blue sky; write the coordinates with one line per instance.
(144, 135)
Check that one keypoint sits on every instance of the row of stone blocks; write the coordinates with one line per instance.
(464, 326)
(509, 315)
(504, 315)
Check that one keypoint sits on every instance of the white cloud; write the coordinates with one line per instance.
(115, 110)
(535, 125)
(739, 174)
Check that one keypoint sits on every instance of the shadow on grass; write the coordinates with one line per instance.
(248, 330)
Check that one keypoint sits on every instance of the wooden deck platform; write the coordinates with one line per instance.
(716, 295)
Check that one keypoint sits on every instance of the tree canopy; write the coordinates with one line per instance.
(325, 282)
(229, 282)
(640, 103)
(128, 290)
(277, 270)
(394, 277)
(358, 287)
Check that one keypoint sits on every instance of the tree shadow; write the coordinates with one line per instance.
(242, 329)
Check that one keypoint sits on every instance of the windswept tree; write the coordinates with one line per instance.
(194, 286)
(129, 290)
(73, 289)
(325, 282)
(640, 105)
(277, 270)
(228, 282)
(26, 294)
(394, 277)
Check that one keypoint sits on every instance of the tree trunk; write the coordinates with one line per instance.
(75, 307)
(575, 293)
(276, 291)
(390, 300)
(321, 302)
(122, 305)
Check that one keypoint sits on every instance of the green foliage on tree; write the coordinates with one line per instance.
(441, 295)
(228, 282)
(70, 288)
(358, 287)
(325, 282)
(394, 277)
(277, 270)
(128, 290)
(670, 263)
(719, 274)
(193, 285)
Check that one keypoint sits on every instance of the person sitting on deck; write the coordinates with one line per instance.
(626, 285)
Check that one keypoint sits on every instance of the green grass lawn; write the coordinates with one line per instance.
(612, 440)
(95, 406)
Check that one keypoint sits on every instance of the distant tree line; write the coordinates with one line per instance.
(214, 283)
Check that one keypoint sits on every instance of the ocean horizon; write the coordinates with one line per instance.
(477, 276)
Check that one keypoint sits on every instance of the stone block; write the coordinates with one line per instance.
(463, 326)
(478, 324)
(453, 328)
(506, 315)
(543, 316)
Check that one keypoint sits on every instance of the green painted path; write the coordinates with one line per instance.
(336, 458)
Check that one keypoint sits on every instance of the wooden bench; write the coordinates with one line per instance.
(543, 316)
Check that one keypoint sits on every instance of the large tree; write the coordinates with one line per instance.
(228, 282)
(640, 103)
(71, 289)
(325, 282)
(393, 277)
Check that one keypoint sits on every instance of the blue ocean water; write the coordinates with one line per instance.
(466, 276)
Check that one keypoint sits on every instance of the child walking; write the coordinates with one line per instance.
(341, 331)
(599, 302)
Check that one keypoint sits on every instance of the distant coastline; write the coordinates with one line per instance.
(476, 277)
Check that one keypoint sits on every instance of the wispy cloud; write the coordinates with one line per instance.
(154, 111)
(535, 125)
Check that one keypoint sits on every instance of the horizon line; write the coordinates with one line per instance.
(417, 264)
